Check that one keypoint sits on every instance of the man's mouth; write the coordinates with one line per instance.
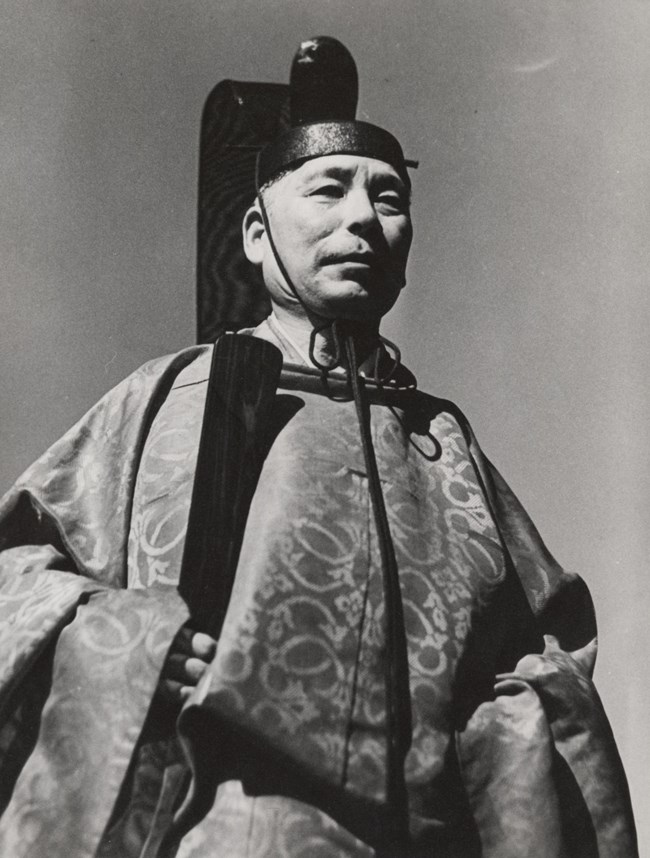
(361, 259)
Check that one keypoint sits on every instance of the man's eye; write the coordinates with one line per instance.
(392, 201)
(335, 191)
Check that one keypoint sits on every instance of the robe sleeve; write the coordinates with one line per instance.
(539, 760)
(80, 656)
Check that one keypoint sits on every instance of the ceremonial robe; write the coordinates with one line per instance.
(511, 753)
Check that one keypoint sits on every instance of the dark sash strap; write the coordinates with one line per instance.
(243, 380)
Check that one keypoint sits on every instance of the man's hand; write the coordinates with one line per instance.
(187, 660)
(539, 668)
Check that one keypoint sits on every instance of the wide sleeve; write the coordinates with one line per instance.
(79, 655)
(539, 760)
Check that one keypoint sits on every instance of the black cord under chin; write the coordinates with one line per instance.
(398, 698)
(335, 360)
(397, 361)
(336, 337)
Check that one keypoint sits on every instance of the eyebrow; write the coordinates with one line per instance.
(333, 171)
(330, 172)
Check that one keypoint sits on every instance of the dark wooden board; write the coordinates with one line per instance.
(238, 118)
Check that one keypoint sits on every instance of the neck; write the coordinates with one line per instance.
(323, 347)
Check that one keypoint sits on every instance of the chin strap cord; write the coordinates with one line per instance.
(384, 348)
(336, 338)
(398, 698)
(274, 250)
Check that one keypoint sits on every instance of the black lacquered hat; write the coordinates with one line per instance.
(323, 101)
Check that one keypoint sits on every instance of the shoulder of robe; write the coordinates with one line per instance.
(114, 420)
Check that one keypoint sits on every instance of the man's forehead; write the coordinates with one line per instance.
(344, 167)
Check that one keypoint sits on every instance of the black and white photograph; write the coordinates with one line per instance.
(324, 429)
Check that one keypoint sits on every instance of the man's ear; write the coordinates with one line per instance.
(254, 234)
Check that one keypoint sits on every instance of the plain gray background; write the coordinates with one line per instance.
(528, 299)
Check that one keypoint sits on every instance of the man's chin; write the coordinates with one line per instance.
(355, 302)
(353, 310)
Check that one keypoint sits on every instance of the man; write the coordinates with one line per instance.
(403, 670)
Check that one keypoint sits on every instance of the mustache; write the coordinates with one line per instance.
(377, 261)
(366, 256)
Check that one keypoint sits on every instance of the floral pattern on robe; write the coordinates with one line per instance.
(93, 536)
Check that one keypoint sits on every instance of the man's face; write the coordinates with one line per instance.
(342, 228)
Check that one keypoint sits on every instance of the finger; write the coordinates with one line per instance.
(203, 646)
(175, 667)
(535, 665)
(194, 670)
(182, 643)
(510, 686)
(185, 670)
(170, 690)
(551, 643)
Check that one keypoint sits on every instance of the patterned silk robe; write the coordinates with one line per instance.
(511, 753)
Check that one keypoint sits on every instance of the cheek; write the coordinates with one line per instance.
(301, 237)
(313, 221)
(399, 238)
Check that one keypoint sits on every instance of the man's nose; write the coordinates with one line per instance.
(359, 215)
